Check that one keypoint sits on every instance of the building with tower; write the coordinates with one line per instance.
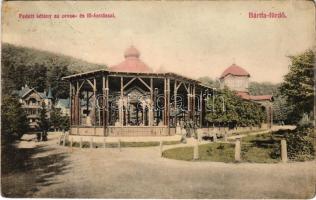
(236, 79)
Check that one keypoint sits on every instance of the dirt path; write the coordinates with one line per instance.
(142, 173)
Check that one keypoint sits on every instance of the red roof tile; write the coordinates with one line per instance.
(247, 96)
(261, 97)
(235, 70)
(243, 95)
(132, 63)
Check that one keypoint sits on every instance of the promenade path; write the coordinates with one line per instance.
(56, 171)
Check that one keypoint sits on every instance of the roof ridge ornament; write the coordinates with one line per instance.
(131, 52)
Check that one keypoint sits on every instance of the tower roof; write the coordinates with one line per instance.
(131, 52)
(132, 62)
(235, 70)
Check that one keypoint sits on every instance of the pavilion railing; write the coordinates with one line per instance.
(137, 131)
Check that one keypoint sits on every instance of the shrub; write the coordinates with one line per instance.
(221, 146)
(276, 152)
(299, 143)
(299, 146)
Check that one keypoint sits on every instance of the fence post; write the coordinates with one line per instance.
(283, 151)
(64, 140)
(161, 148)
(59, 140)
(119, 144)
(225, 136)
(196, 151)
(237, 150)
(80, 142)
(214, 137)
(91, 142)
(71, 141)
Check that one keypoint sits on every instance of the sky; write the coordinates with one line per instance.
(194, 39)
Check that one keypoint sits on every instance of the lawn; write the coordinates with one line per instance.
(258, 149)
(219, 152)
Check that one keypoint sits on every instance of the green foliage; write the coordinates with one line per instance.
(260, 148)
(209, 82)
(208, 152)
(281, 109)
(234, 111)
(38, 69)
(13, 118)
(43, 119)
(254, 148)
(64, 123)
(265, 88)
(300, 145)
(58, 121)
(55, 118)
(298, 85)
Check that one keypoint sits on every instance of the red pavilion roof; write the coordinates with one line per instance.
(235, 70)
(132, 63)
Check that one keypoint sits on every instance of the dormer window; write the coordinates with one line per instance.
(32, 102)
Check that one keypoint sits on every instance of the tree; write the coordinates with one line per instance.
(298, 85)
(56, 118)
(60, 88)
(13, 118)
(38, 69)
(43, 119)
(281, 109)
(265, 88)
(65, 122)
(209, 82)
(231, 110)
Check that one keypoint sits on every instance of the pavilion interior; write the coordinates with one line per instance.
(137, 104)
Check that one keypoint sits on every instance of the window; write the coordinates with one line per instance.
(32, 102)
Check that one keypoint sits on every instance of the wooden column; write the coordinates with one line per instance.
(201, 109)
(151, 112)
(95, 101)
(104, 105)
(165, 102)
(151, 89)
(193, 104)
(74, 106)
(122, 105)
(87, 102)
(70, 103)
(77, 111)
(95, 104)
(72, 114)
(175, 102)
(168, 103)
(107, 116)
(189, 101)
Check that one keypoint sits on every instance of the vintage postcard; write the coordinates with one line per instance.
(158, 99)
